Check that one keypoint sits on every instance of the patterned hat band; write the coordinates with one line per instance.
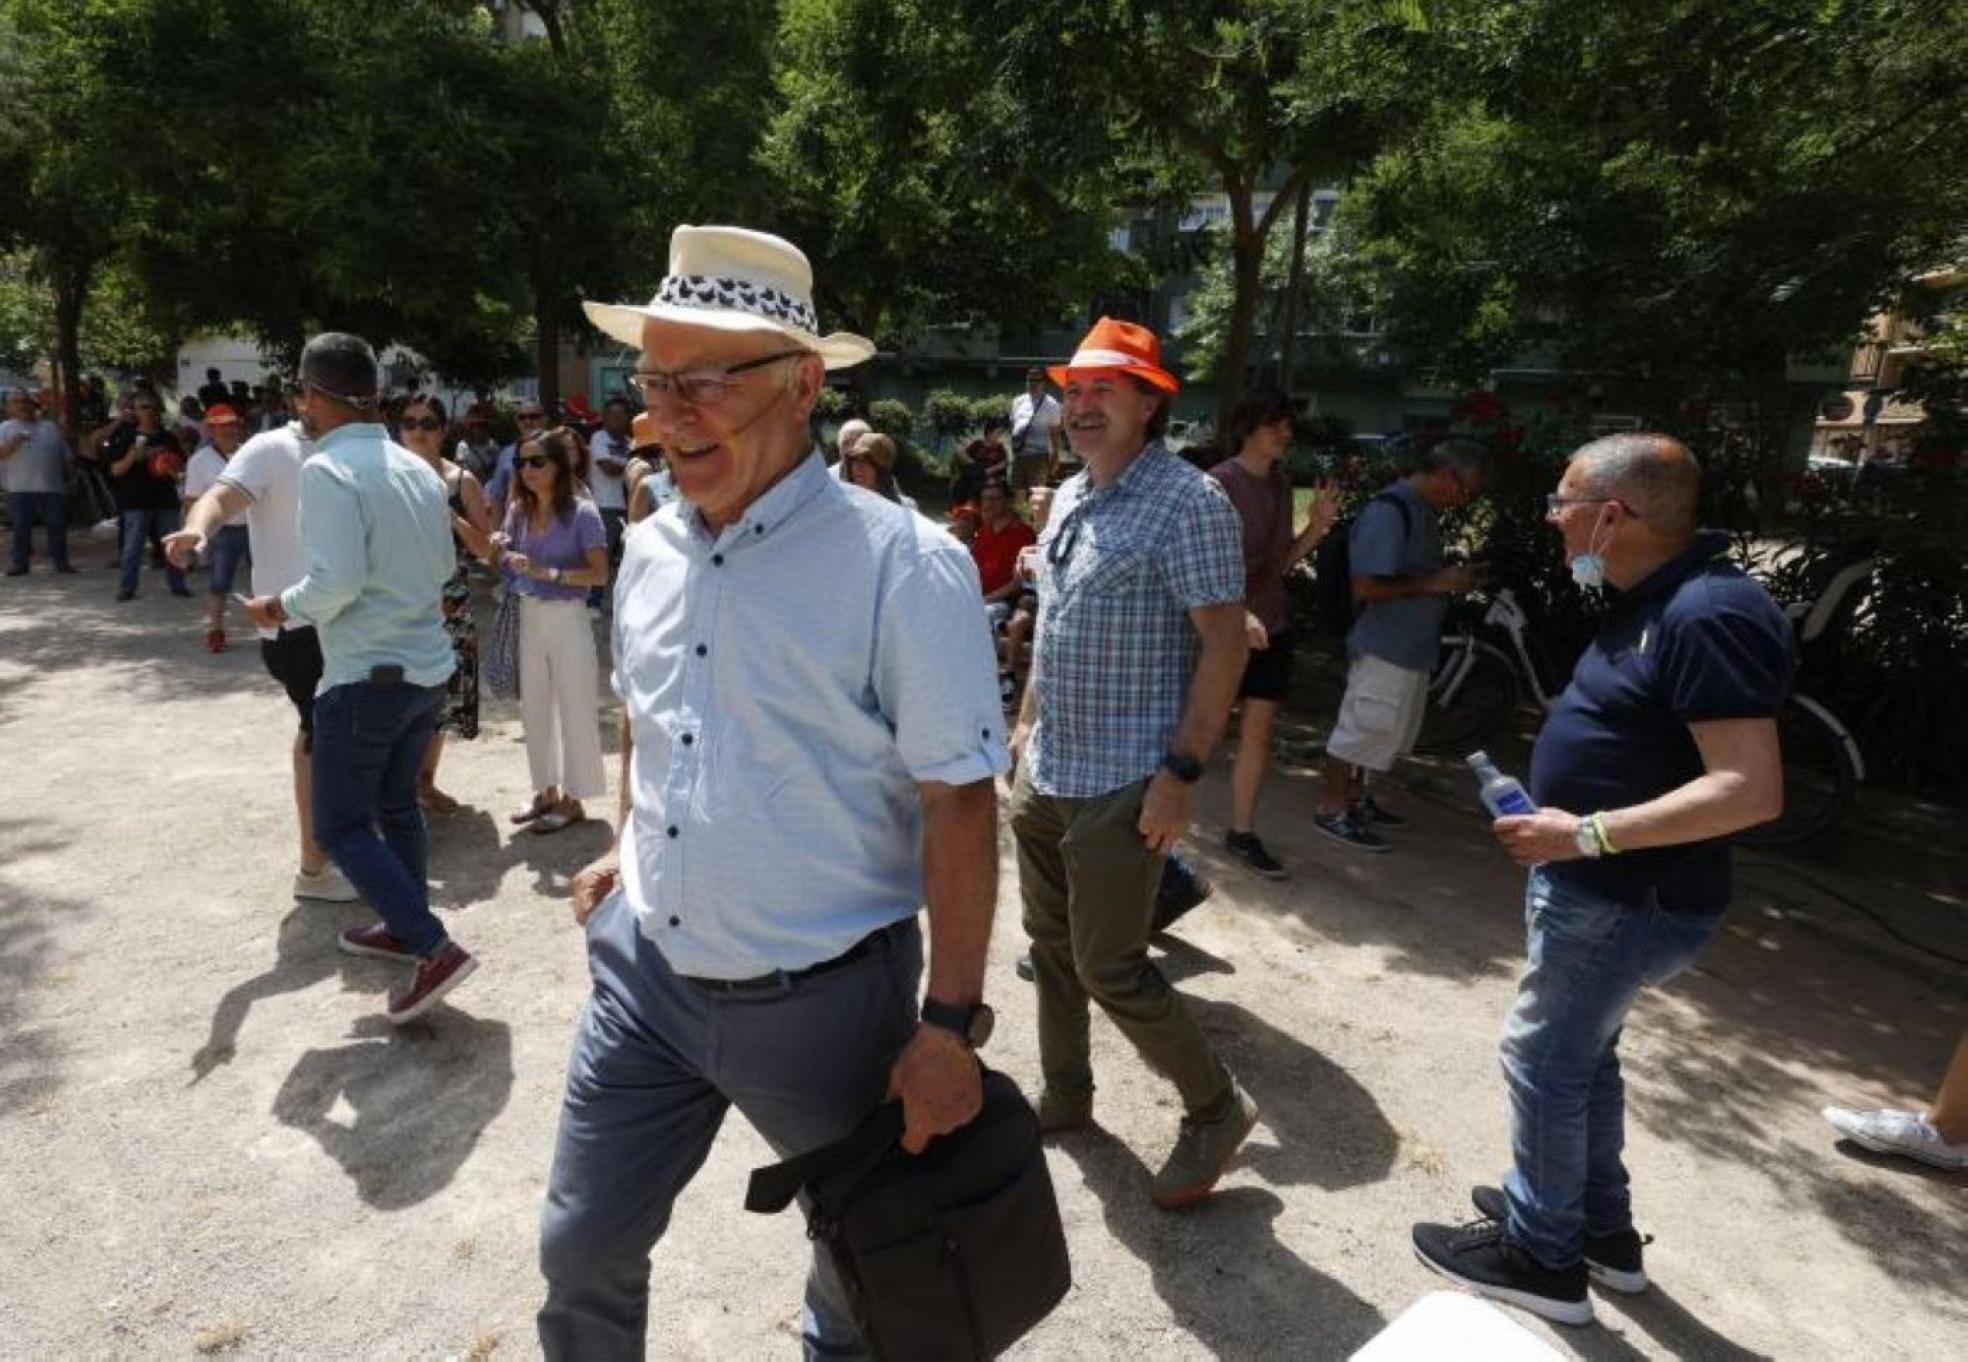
(715, 293)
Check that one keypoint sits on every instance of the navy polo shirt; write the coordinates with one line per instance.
(1697, 640)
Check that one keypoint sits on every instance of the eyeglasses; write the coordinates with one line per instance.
(1067, 539)
(534, 460)
(426, 423)
(1554, 503)
(698, 387)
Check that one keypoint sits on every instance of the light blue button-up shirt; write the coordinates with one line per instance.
(376, 529)
(788, 683)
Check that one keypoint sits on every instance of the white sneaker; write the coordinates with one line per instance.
(326, 885)
(1898, 1132)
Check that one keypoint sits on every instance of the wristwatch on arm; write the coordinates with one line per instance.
(973, 1024)
(1183, 767)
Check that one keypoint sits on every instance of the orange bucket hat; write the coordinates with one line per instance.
(1118, 346)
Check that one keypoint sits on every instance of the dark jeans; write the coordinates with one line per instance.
(51, 509)
(369, 742)
(658, 1062)
(1589, 959)
(140, 527)
(614, 522)
(229, 548)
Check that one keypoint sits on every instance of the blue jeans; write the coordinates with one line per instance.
(138, 528)
(658, 1061)
(369, 742)
(229, 548)
(1588, 959)
(51, 509)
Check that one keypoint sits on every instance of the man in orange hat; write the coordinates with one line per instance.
(1139, 651)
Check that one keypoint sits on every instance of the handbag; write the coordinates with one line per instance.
(500, 660)
(955, 1252)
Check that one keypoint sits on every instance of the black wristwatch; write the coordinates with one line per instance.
(972, 1023)
(1183, 767)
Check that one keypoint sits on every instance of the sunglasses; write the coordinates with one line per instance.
(535, 460)
(425, 423)
(699, 387)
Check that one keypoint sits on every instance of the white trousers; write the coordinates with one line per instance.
(557, 702)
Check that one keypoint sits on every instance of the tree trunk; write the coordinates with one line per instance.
(71, 290)
(1246, 262)
(546, 349)
(1288, 342)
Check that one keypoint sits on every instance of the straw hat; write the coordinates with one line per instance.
(734, 279)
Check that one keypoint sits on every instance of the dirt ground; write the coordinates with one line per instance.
(210, 1139)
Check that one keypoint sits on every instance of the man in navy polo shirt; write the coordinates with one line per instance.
(1663, 746)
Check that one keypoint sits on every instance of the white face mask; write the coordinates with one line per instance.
(1589, 568)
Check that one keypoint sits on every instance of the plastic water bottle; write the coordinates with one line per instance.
(1501, 794)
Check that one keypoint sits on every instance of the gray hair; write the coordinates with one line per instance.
(1467, 459)
(343, 365)
(1657, 475)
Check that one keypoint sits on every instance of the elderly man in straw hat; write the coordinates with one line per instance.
(810, 735)
(1139, 650)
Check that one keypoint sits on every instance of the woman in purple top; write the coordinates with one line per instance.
(1260, 431)
(553, 548)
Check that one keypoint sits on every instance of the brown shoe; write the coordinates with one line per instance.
(1204, 1148)
(437, 975)
(375, 942)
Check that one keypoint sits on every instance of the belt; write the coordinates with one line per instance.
(782, 979)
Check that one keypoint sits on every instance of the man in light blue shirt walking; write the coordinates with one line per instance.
(377, 533)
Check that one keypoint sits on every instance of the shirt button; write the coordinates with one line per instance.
(717, 560)
(676, 922)
(687, 740)
(672, 829)
(758, 529)
(702, 650)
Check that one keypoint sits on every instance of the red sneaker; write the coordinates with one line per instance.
(215, 640)
(375, 942)
(436, 976)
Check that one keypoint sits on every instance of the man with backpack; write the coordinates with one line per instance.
(1399, 594)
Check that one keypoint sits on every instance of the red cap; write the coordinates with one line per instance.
(220, 414)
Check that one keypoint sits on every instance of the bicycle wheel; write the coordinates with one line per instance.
(1819, 774)
(1472, 694)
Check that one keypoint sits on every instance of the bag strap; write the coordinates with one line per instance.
(773, 1188)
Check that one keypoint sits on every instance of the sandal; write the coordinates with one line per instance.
(555, 821)
(538, 809)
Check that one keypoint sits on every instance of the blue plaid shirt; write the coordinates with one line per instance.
(1120, 567)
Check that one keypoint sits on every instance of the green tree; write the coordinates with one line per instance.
(918, 175)
(1682, 195)
(1238, 94)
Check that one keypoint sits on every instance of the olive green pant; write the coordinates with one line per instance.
(1088, 882)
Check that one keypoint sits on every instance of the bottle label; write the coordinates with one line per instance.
(1515, 802)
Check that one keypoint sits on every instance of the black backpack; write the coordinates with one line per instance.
(1332, 568)
(955, 1252)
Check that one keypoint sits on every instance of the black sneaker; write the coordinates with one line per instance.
(1246, 847)
(1181, 889)
(1480, 1258)
(1344, 827)
(1613, 1260)
(1368, 812)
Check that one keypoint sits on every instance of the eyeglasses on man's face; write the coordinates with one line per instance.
(1555, 504)
(703, 387)
(421, 423)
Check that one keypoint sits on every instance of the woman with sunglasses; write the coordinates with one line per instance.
(553, 548)
(423, 427)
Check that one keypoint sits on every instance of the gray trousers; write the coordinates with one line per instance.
(657, 1062)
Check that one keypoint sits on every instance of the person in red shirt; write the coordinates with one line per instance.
(1000, 535)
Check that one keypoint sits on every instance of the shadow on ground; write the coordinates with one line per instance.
(418, 1096)
(30, 1052)
(1226, 1276)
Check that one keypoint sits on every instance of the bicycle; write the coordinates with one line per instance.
(1481, 676)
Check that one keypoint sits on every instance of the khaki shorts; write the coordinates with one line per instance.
(1380, 718)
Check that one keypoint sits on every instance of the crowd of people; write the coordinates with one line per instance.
(820, 688)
